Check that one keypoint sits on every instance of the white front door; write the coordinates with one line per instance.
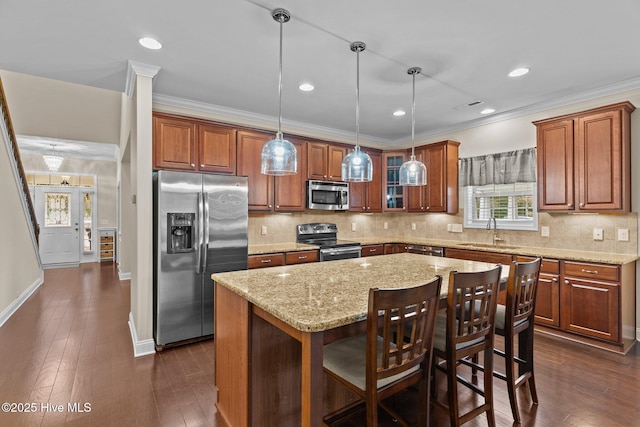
(58, 213)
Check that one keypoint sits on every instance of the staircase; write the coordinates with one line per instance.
(12, 144)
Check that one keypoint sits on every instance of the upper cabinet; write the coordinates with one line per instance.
(190, 145)
(584, 162)
(394, 197)
(268, 193)
(324, 161)
(441, 192)
(367, 196)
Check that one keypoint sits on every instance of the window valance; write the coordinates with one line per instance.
(499, 168)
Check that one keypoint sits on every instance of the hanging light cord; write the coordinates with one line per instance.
(413, 118)
(357, 96)
(281, 19)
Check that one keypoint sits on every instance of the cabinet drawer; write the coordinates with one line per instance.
(479, 256)
(301, 257)
(270, 260)
(551, 266)
(371, 250)
(104, 239)
(106, 246)
(592, 271)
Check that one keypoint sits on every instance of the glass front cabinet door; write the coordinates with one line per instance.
(394, 197)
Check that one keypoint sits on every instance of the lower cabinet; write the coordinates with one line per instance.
(107, 244)
(590, 300)
(372, 250)
(278, 259)
(548, 294)
(394, 248)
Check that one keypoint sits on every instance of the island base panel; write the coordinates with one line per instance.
(232, 316)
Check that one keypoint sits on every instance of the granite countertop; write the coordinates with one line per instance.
(565, 254)
(319, 296)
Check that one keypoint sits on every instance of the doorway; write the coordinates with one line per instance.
(67, 224)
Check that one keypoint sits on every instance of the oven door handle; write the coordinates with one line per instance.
(337, 251)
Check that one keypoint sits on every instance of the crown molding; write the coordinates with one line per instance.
(169, 104)
(247, 118)
(575, 98)
(135, 69)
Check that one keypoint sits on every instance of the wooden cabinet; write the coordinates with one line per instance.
(480, 256)
(324, 161)
(372, 250)
(267, 260)
(548, 294)
(301, 257)
(395, 248)
(393, 192)
(107, 244)
(590, 300)
(268, 193)
(584, 161)
(441, 192)
(192, 145)
(367, 196)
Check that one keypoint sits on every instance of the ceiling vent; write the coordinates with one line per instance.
(470, 104)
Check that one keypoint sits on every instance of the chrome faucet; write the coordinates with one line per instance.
(496, 239)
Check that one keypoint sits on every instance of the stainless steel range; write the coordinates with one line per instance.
(325, 236)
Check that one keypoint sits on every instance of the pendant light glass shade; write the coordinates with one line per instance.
(279, 156)
(53, 162)
(357, 165)
(413, 172)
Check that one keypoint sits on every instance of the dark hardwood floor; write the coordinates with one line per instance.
(70, 344)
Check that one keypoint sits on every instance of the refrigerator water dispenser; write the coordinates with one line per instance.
(181, 229)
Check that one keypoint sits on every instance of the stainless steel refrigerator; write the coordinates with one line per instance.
(200, 224)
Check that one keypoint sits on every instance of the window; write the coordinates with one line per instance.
(512, 205)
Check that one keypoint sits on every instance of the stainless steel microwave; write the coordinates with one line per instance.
(328, 196)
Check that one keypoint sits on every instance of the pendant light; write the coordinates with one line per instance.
(279, 156)
(413, 172)
(53, 162)
(357, 165)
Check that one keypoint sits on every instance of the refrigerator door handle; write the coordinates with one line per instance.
(200, 233)
(205, 229)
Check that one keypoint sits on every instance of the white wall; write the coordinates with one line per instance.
(20, 271)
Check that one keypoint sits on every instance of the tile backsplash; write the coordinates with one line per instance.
(566, 231)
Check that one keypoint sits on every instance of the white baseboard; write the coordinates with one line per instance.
(140, 348)
(122, 275)
(15, 305)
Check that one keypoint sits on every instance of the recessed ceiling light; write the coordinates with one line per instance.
(399, 113)
(518, 72)
(306, 87)
(150, 43)
(487, 111)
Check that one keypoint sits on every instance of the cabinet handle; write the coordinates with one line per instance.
(330, 176)
(302, 257)
(201, 166)
(265, 261)
(270, 206)
(372, 250)
(570, 205)
(566, 282)
(193, 165)
(590, 271)
(555, 279)
(582, 205)
(277, 206)
(324, 176)
(428, 207)
(364, 209)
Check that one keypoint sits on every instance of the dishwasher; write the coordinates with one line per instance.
(425, 250)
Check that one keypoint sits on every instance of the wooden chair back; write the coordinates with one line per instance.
(391, 312)
(472, 296)
(521, 292)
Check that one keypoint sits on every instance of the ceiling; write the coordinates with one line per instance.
(222, 55)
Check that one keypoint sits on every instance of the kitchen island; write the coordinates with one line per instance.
(271, 324)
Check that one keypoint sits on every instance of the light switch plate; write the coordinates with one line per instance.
(353, 226)
(413, 226)
(623, 234)
(456, 228)
(598, 234)
(263, 230)
(385, 225)
(544, 231)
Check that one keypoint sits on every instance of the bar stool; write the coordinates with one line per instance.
(381, 363)
(465, 331)
(516, 318)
